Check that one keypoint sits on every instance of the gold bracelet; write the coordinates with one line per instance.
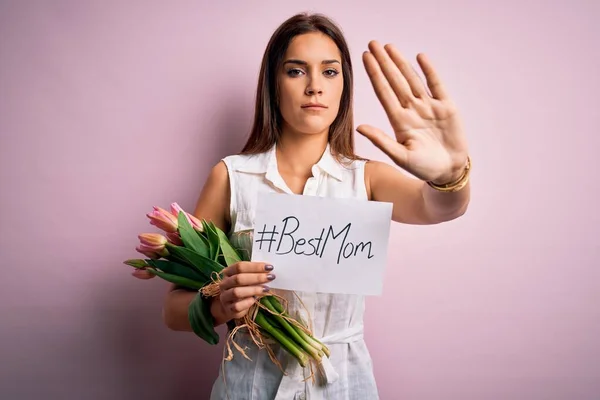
(458, 184)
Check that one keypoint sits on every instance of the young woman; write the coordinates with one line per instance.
(302, 143)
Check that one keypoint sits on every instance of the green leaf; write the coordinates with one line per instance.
(229, 253)
(244, 253)
(205, 265)
(177, 259)
(174, 268)
(201, 319)
(202, 237)
(178, 280)
(190, 238)
(213, 240)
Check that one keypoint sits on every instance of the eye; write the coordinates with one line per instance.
(294, 72)
(330, 73)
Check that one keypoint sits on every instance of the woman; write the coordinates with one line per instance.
(302, 143)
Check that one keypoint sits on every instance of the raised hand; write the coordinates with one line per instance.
(429, 139)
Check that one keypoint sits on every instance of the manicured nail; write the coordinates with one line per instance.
(266, 288)
(270, 277)
(268, 267)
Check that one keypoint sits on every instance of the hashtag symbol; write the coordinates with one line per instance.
(270, 239)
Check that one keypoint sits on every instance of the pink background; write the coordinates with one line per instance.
(109, 108)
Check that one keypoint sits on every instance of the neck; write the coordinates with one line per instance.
(298, 153)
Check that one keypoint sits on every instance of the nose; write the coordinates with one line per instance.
(313, 87)
(311, 91)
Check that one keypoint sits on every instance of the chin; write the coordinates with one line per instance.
(312, 128)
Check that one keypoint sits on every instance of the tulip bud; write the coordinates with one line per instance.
(176, 209)
(147, 252)
(174, 238)
(196, 223)
(153, 240)
(136, 263)
(163, 220)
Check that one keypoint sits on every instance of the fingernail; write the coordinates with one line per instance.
(270, 277)
(268, 267)
(266, 288)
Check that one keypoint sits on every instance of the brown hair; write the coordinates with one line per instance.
(267, 123)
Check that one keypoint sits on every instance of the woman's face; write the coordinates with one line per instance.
(310, 84)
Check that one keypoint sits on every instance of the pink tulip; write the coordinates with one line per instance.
(152, 252)
(174, 238)
(153, 240)
(194, 222)
(163, 219)
(176, 209)
(148, 253)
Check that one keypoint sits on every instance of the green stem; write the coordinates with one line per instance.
(312, 351)
(289, 345)
(311, 340)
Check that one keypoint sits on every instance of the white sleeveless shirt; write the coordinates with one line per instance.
(335, 319)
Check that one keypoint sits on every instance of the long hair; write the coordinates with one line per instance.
(266, 128)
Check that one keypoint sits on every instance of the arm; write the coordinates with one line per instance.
(213, 205)
(414, 201)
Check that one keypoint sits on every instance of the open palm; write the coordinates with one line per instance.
(429, 139)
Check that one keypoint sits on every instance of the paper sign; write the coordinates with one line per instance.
(320, 244)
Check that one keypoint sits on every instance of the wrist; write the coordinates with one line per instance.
(448, 179)
(454, 181)
(218, 311)
(453, 176)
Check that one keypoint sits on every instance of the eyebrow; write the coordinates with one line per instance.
(301, 62)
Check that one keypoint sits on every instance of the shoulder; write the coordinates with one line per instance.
(235, 159)
(351, 165)
(245, 162)
(374, 167)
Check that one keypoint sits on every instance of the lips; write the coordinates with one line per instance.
(314, 105)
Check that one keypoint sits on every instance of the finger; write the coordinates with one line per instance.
(390, 102)
(239, 293)
(406, 69)
(396, 151)
(438, 91)
(392, 74)
(142, 274)
(241, 305)
(245, 279)
(243, 267)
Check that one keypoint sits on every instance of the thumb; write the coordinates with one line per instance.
(396, 151)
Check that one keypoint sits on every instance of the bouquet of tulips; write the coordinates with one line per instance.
(192, 253)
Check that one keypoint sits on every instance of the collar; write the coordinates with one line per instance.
(267, 163)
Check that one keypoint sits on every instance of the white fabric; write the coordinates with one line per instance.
(336, 319)
(350, 335)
